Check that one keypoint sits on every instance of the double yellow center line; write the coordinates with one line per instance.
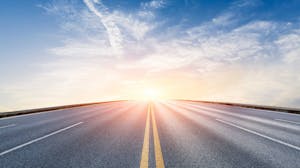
(159, 161)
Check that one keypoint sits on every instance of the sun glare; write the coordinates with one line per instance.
(151, 94)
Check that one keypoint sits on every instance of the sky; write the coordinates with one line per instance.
(56, 52)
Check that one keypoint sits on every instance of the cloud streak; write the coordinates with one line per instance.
(119, 51)
(153, 4)
(113, 31)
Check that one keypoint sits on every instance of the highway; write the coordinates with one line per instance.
(151, 134)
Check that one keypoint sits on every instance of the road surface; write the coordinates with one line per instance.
(159, 134)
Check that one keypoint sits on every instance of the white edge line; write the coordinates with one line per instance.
(261, 135)
(38, 139)
(6, 126)
(293, 122)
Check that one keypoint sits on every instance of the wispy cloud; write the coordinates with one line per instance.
(113, 31)
(153, 4)
(204, 49)
(220, 59)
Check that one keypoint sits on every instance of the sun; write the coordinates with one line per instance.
(151, 94)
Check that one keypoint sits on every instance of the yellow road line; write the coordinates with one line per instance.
(159, 160)
(145, 150)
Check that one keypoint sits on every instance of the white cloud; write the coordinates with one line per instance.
(289, 46)
(113, 31)
(201, 53)
(121, 28)
(224, 20)
(92, 48)
(246, 3)
(153, 4)
(132, 26)
(259, 27)
(256, 62)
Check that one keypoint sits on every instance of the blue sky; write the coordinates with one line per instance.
(56, 52)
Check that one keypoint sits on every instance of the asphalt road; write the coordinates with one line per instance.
(159, 134)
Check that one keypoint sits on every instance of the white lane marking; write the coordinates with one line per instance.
(261, 135)
(6, 126)
(38, 139)
(293, 122)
